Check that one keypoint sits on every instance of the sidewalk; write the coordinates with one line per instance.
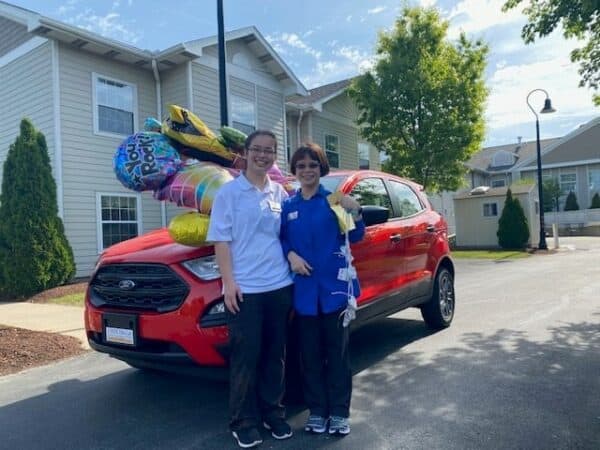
(61, 319)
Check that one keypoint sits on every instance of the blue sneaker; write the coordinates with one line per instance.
(316, 424)
(339, 425)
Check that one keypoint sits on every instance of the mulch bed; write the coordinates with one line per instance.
(21, 349)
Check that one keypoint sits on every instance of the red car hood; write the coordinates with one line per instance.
(153, 247)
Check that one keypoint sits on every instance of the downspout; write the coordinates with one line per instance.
(163, 207)
(298, 140)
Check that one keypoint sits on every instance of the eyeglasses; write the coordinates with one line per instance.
(267, 151)
(312, 165)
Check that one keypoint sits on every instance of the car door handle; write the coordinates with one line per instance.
(431, 228)
(395, 237)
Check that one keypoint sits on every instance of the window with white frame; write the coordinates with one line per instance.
(490, 209)
(118, 218)
(498, 183)
(363, 156)
(115, 104)
(568, 182)
(594, 181)
(243, 114)
(332, 150)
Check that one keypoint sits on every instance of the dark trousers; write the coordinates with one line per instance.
(257, 337)
(326, 373)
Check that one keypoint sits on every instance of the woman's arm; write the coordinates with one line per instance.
(231, 291)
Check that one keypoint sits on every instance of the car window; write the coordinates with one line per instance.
(407, 200)
(332, 182)
(372, 191)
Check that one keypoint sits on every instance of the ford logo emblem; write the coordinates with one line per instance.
(126, 284)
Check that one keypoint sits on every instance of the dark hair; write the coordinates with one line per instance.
(313, 151)
(252, 135)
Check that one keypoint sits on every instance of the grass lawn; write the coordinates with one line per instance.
(489, 254)
(69, 299)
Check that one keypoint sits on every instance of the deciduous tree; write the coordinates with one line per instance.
(580, 19)
(423, 101)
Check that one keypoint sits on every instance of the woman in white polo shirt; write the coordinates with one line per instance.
(257, 287)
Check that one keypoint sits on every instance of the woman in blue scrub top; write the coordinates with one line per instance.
(315, 248)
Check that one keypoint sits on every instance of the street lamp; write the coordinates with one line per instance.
(545, 110)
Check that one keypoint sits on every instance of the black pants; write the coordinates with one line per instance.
(257, 337)
(326, 373)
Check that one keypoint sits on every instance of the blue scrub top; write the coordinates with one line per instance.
(310, 228)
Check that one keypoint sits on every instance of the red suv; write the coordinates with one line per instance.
(157, 304)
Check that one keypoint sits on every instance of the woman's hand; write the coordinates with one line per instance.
(349, 204)
(298, 264)
(232, 295)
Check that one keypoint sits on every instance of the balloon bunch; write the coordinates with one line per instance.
(182, 161)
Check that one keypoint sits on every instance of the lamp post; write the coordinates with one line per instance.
(222, 64)
(545, 110)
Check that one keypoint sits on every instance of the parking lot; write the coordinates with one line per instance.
(517, 369)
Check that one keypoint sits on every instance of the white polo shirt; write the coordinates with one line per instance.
(249, 219)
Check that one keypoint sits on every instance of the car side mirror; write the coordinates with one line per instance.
(373, 215)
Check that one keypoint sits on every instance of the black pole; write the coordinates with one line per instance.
(542, 245)
(222, 65)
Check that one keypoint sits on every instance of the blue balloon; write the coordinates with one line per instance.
(145, 161)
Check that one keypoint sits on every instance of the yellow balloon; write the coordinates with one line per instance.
(189, 228)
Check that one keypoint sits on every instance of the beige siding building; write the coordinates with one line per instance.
(87, 93)
(327, 116)
(478, 212)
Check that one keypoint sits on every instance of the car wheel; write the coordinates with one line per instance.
(438, 312)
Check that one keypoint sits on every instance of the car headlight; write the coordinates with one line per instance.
(217, 308)
(205, 268)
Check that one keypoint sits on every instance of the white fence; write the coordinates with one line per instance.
(573, 219)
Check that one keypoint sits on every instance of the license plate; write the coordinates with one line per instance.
(120, 329)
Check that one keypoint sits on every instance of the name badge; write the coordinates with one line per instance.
(274, 206)
(293, 215)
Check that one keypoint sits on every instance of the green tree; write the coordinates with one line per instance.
(34, 252)
(423, 101)
(579, 19)
(513, 229)
(571, 202)
(551, 192)
(595, 201)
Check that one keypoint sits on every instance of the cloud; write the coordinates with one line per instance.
(475, 16)
(292, 40)
(377, 10)
(109, 25)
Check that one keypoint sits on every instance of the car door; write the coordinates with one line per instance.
(379, 257)
(417, 237)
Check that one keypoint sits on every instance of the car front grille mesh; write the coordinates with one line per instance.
(148, 287)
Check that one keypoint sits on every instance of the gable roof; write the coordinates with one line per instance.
(79, 38)
(585, 140)
(319, 95)
(263, 51)
(482, 160)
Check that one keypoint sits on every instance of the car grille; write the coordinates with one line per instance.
(148, 287)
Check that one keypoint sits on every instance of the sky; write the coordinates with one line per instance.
(329, 40)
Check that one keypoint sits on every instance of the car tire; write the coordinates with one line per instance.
(438, 312)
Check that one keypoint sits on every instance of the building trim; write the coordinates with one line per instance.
(190, 86)
(22, 50)
(58, 162)
(559, 165)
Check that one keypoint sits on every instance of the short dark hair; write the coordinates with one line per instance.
(313, 151)
(252, 135)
